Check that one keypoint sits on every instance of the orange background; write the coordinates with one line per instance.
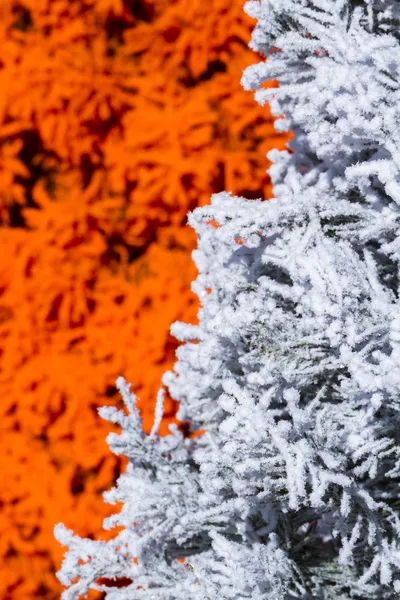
(116, 119)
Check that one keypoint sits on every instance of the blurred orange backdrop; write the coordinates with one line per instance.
(116, 118)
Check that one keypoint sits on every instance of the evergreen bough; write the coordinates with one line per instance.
(294, 369)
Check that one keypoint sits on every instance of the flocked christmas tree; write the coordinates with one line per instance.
(293, 372)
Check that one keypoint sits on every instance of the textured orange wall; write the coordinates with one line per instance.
(116, 118)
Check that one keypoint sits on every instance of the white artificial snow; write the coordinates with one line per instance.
(293, 372)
